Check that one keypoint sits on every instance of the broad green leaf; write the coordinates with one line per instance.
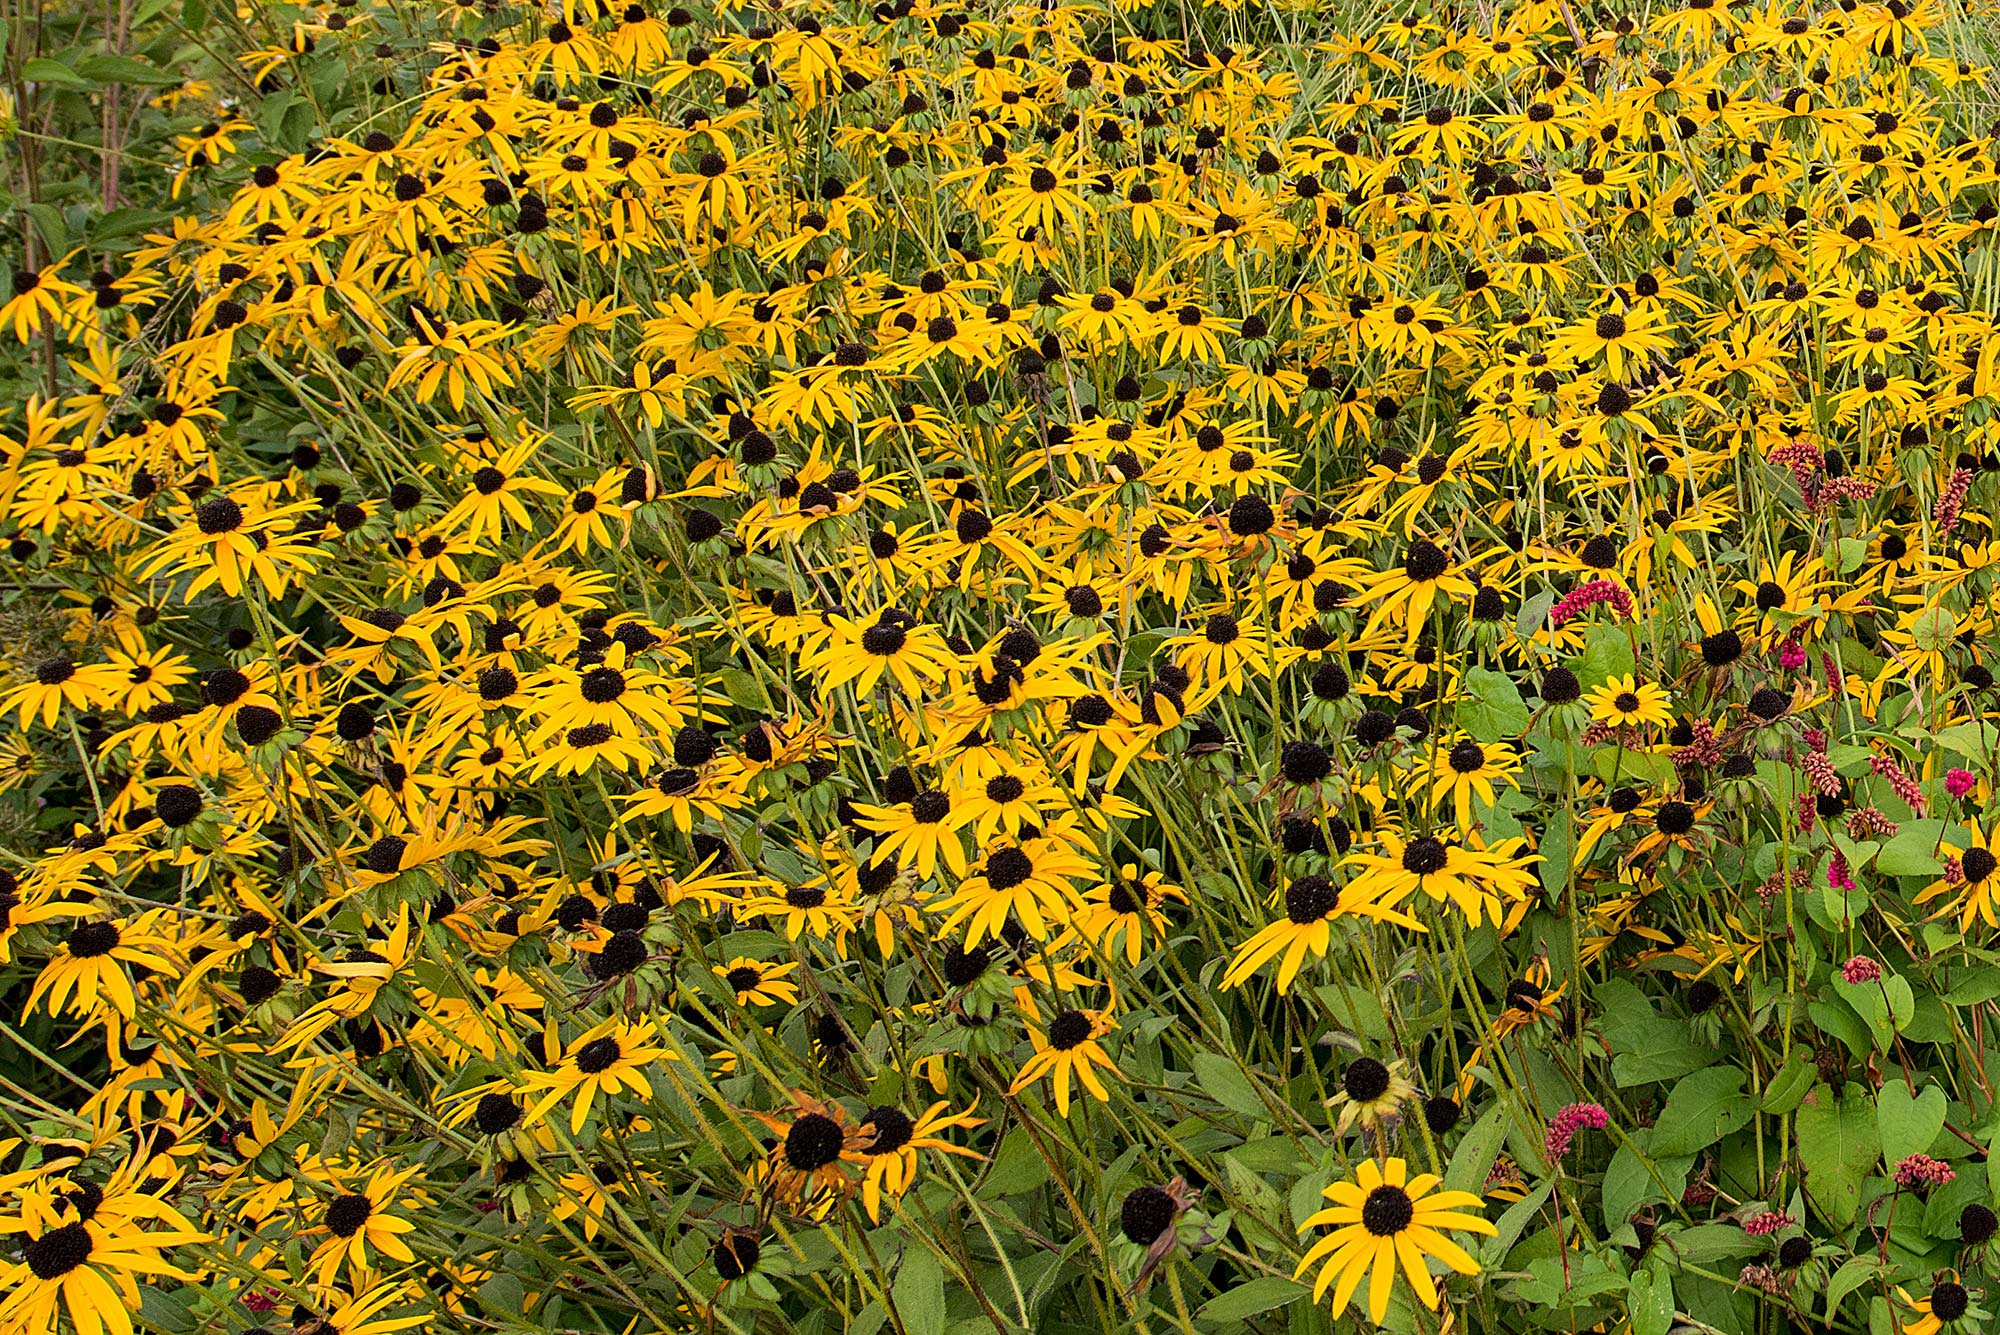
(1491, 708)
(1703, 1108)
(503, 1296)
(1912, 852)
(1220, 1079)
(52, 71)
(1651, 1302)
(1908, 1122)
(743, 690)
(1473, 1159)
(1975, 741)
(1839, 1143)
(1247, 1300)
(1853, 1273)
(160, 1309)
(1607, 652)
(1534, 612)
(1645, 1045)
(1789, 1086)
(124, 69)
(919, 1292)
(1974, 986)
(1507, 1229)
(1629, 1183)
(1017, 1168)
(1836, 1017)
(1568, 1281)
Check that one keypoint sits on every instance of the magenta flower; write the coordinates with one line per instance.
(1959, 782)
(1919, 1171)
(1860, 969)
(1769, 1222)
(1565, 1124)
(1587, 596)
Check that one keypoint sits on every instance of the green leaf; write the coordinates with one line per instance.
(1473, 1159)
(161, 1310)
(503, 1296)
(49, 222)
(1645, 1046)
(1018, 1167)
(1628, 1184)
(1975, 741)
(1703, 1108)
(1837, 1018)
(1839, 1143)
(1908, 1122)
(1534, 612)
(744, 691)
(1491, 708)
(1912, 851)
(1568, 1281)
(1222, 1081)
(1607, 653)
(1507, 1229)
(1857, 1271)
(124, 69)
(127, 222)
(1973, 987)
(1789, 1086)
(1651, 1302)
(1247, 1300)
(1887, 1005)
(919, 1292)
(52, 71)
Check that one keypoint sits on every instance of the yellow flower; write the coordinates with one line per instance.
(1383, 1221)
(1625, 702)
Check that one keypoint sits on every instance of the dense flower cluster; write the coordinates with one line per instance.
(811, 665)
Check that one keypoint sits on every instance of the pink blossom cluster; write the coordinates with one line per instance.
(1919, 1171)
(1801, 457)
(1959, 782)
(1845, 489)
(1820, 770)
(1870, 823)
(1860, 969)
(1791, 654)
(1945, 515)
(1767, 1223)
(1565, 1124)
(1900, 781)
(1954, 870)
(1702, 752)
(1586, 596)
(1774, 884)
(1837, 875)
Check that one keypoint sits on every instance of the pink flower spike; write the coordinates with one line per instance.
(1919, 1171)
(1767, 1223)
(1565, 1124)
(1959, 782)
(1860, 969)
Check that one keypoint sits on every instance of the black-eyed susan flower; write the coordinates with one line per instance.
(609, 1058)
(757, 983)
(1626, 702)
(1067, 1049)
(1386, 1221)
